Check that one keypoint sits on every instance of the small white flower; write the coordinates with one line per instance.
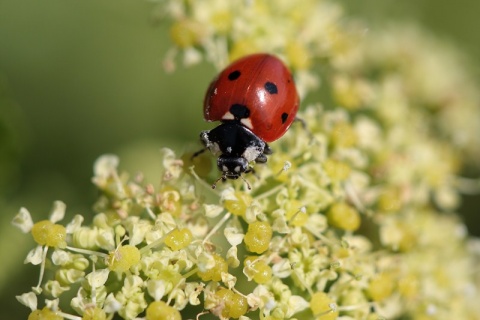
(205, 261)
(212, 210)
(111, 304)
(296, 304)
(75, 224)
(52, 304)
(282, 268)
(232, 257)
(55, 289)
(139, 230)
(28, 299)
(23, 220)
(105, 166)
(191, 57)
(229, 280)
(173, 166)
(105, 240)
(60, 257)
(234, 234)
(97, 278)
(193, 290)
(58, 211)
(228, 194)
(35, 256)
(156, 289)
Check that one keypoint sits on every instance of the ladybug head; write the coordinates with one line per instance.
(232, 168)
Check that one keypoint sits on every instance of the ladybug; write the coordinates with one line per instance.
(256, 100)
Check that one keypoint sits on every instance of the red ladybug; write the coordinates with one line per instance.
(256, 100)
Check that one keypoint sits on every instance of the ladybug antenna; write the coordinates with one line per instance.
(246, 182)
(222, 177)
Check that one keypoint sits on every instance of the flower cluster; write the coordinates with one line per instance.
(353, 218)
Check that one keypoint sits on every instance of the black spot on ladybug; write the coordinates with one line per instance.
(271, 87)
(239, 111)
(234, 75)
(284, 117)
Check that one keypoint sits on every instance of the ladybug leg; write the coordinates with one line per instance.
(267, 149)
(205, 139)
(199, 152)
(261, 158)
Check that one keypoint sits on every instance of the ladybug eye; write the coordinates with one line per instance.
(284, 117)
(271, 87)
(234, 75)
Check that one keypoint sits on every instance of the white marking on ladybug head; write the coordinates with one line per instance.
(251, 153)
(237, 169)
(204, 138)
(228, 116)
(229, 149)
(214, 148)
(224, 169)
(247, 123)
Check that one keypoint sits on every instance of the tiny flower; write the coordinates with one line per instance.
(213, 268)
(55, 288)
(131, 297)
(94, 314)
(35, 256)
(156, 289)
(193, 290)
(257, 270)
(112, 305)
(232, 257)
(234, 233)
(258, 236)
(178, 238)
(58, 211)
(97, 278)
(75, 224)
(159, 310)
(229, 304)
(320, 304)
(212, 210)
(343, 216)
(173, 166)
(123, 258)
(236, 203)
(105, 166)
(45, 233)
(28, 299)
(23, 220)
(45, 313)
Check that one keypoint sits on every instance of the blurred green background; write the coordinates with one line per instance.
(82, 78)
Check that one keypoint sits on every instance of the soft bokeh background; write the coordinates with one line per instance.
(83, 78)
